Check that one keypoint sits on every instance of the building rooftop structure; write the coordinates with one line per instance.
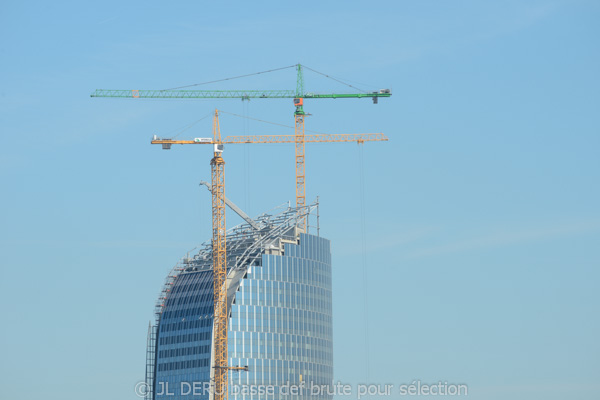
(279, 296)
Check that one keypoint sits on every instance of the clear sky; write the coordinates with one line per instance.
(482, 211)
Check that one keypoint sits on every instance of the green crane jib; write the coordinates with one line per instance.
(299, 93)
(230, 94)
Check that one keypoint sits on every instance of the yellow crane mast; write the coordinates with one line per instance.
(219, 253)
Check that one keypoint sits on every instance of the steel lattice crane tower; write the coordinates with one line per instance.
(219, 253)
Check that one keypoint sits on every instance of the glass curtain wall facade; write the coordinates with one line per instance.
(183, 345)
(280, 325)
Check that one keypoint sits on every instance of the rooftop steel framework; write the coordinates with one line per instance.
(245, 244)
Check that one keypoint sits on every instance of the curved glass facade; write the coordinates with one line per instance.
(280, 326)
(281, 321)
(183, 345)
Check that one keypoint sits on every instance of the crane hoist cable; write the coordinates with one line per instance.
(246, 150)
(365, 280)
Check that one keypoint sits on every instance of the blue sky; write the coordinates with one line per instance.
(482, 219)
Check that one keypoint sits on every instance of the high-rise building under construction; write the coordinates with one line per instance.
(280, 326)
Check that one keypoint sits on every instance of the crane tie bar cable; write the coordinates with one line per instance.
(335, 79)
(234, 77)
(192, 124)
(269, 122)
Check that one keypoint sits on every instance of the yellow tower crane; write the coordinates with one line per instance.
(219, 237)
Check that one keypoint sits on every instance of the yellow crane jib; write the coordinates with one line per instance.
(257, 139)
